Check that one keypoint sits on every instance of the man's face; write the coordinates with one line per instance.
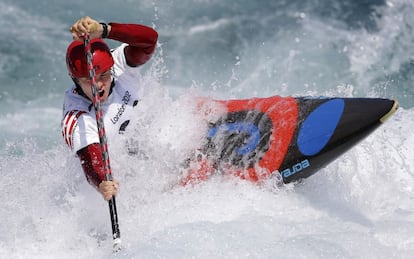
(103, 81)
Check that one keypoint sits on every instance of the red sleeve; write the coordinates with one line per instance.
(141, 39)
(91, 161)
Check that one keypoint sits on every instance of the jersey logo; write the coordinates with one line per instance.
(125, 100)
(68, 125)
(240, 137)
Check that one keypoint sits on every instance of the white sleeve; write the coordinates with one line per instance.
(86, 132)
(79, 130)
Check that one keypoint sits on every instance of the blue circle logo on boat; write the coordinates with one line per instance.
(236, 128)
(240, 138)
(319, 127)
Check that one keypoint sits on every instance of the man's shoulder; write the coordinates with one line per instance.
(121, 67)
(118, 53)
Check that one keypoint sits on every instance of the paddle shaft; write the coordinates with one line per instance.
(102, 138)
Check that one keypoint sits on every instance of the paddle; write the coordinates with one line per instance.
(116, 235)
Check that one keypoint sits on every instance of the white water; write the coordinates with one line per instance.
(360, 206)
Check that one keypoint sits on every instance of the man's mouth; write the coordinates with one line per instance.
(101, 93)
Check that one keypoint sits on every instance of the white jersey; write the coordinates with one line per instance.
(79, 126)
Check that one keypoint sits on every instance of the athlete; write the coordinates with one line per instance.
(119, 83)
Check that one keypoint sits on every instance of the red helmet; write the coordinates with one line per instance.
(76, 58)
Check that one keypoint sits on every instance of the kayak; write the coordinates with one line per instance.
(290, 138)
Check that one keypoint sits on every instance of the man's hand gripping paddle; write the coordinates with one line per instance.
(103, 143)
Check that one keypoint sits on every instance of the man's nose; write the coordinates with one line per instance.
(100, 84)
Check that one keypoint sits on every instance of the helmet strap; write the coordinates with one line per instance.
(112, 86)
(79, 89)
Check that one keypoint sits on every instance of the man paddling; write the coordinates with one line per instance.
(119, 85)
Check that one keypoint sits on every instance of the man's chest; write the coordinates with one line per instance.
(119, 113)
